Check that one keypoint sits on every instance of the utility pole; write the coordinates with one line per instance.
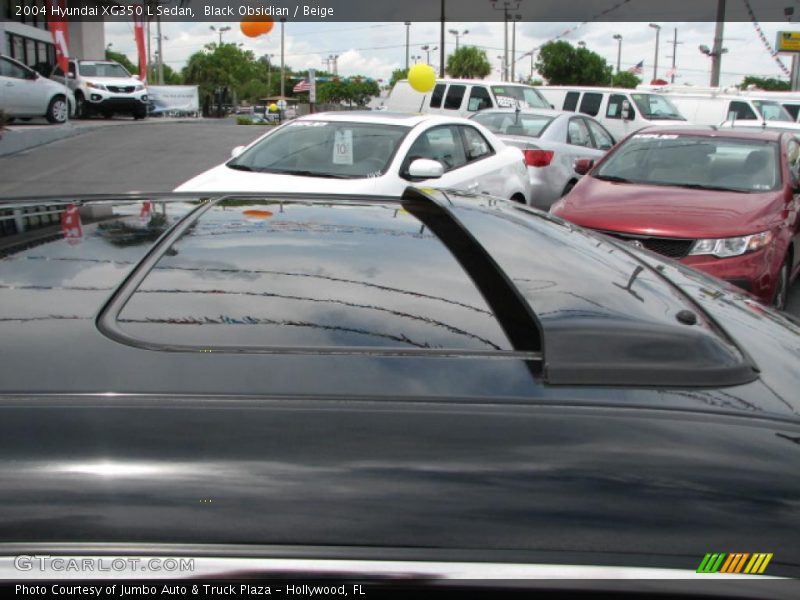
(160, 52)
(655, 58)
(716, 53)
(675, 43)
(408, 38)
(283, 66)
(514, 44)
(441, 44)
(507, 5)
(618, 37)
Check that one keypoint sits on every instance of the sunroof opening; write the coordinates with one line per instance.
(311, 275)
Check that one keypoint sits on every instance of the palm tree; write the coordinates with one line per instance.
(468, 62)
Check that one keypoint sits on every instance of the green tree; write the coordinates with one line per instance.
(397, 75)
(560, 63)
(468, 62)
(225, 66)
(625, 79)
(123, 60)
(769, 84)
(355, 90)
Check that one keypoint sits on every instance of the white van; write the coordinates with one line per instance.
(715, 106)
(463, 97)
(790, 101)
(621, 111)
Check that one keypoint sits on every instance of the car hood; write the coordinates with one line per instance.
(225, 179)
(119, 81)
(665, 210)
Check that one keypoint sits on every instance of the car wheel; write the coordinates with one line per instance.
(518, 198)
(782, 292)
(57, 110)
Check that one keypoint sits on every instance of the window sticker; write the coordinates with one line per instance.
(343, 147)
(506, 102)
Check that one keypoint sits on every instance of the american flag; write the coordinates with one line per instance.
(302, 86)
(637, 70)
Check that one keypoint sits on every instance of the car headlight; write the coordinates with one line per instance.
(138, 88)
(734, 246)
(96, 86)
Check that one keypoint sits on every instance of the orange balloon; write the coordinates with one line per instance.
(256, 26)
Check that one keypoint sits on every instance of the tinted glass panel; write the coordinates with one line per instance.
(697, 161)
(772, 111)
(102, 70)
(292, 274)
(476, 145)
(442, 144)
(602, 139)
(742, 111)
(571, 101)
(590, 103)
(510, 96)
(655, 106)
(9, 69)
(577, 133)
(335, 149)
(479, 98)
(616, 103)
(438, 94)
(454, 96)
(509, 123)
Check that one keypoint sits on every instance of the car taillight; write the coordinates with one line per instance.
(538, 158)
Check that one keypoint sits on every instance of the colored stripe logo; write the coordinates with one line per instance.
(737, 562)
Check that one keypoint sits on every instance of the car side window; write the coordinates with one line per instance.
(438, 94)
(590, 103)
(577, 133)
(571, 101)
(479, 98)
(742, 111)
(442, 144)
(72, 69)
(9, 69)
(616, 103)
(793, 160)
(455, 94)
(602, 139)
(476, 146)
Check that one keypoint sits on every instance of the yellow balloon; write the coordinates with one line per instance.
(273, 107)
(422, 77)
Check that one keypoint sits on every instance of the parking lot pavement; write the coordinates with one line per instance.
(122, 156)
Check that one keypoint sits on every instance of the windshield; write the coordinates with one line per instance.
(325, 149)
(772, 111)
(510, 95)
(102, 69)
(694, 161)
(510, 123)
(655, 106)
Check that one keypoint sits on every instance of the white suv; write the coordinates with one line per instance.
(105, 87)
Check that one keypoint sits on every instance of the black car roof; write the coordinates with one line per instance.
(433, 274)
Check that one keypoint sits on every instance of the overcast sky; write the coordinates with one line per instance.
(375, 49)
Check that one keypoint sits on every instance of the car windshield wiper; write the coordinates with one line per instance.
(700, 186)
(612, 178)
(309, 174)
(239, 167)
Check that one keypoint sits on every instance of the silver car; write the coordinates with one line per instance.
(26, 94)
(552, 140)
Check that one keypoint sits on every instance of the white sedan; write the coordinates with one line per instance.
(371, 153)
(26, 94)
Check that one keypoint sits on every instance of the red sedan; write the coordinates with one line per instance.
(722, 201)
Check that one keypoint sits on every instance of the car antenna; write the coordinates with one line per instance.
(516, 113)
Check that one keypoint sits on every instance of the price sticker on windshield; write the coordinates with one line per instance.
(343, 147)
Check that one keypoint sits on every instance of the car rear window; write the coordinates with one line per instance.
(289, 274)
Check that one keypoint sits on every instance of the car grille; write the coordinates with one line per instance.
(121, 89)
(671, 247)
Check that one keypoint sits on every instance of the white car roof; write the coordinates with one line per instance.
(382, 117)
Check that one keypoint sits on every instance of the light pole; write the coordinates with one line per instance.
(458, 33)
(675, 43)
(408, 37)
(416, 58)
(505, 7)
(618, 37)
(220, 31)
(428, 51)
(268, 58)
(283, 69)
(514, 44)
(502, 60)
(716, 54)
(655, 58)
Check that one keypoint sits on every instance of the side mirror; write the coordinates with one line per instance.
(237, 151)
(625, 113)
(70, 75)
(583, 165)
(424, 168)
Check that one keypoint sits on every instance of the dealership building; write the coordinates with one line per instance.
(27, 39)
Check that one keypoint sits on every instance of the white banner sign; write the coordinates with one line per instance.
(168, 98)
